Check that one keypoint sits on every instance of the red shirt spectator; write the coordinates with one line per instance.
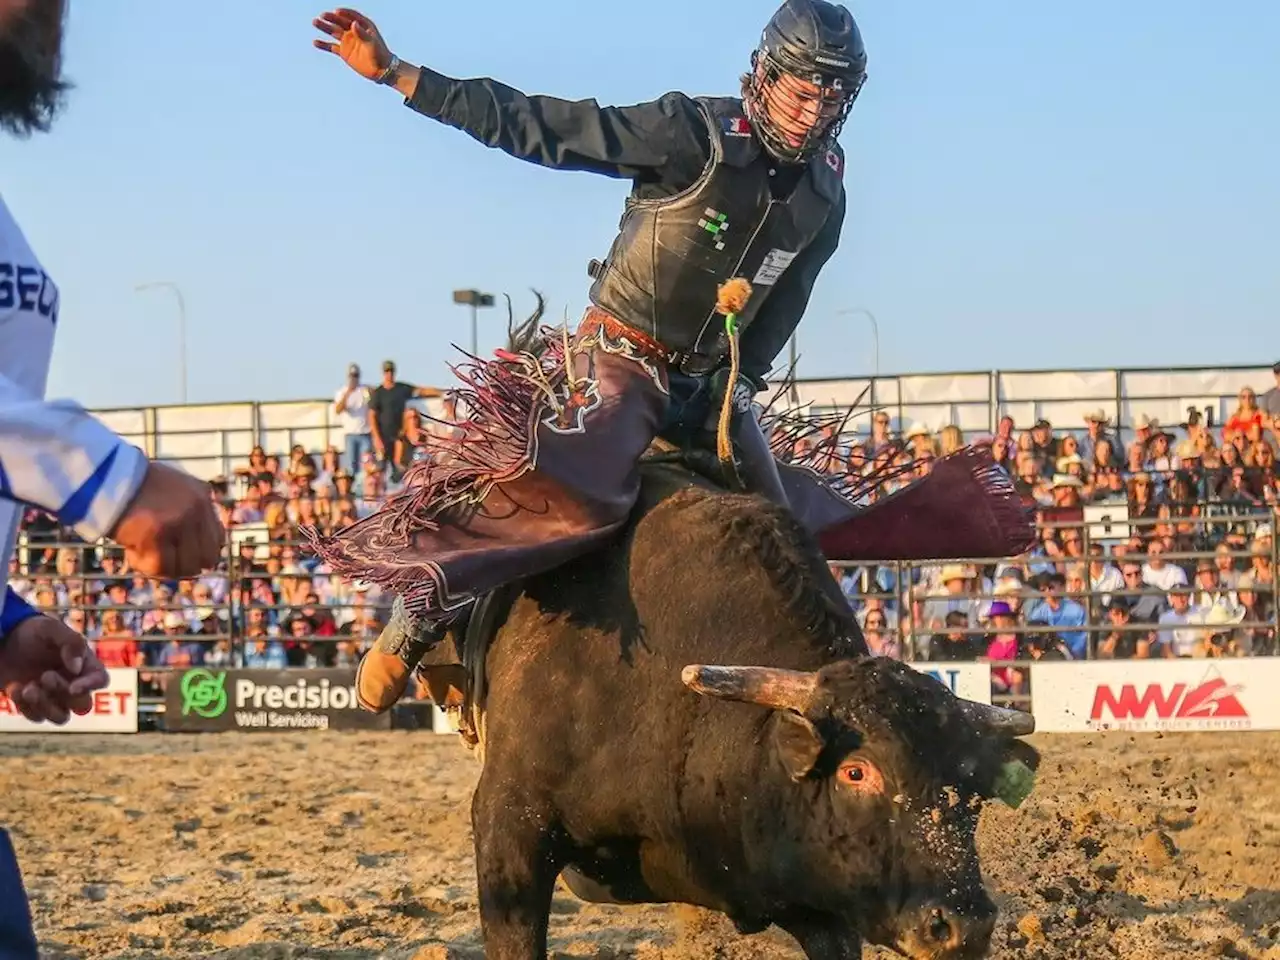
(118, 651)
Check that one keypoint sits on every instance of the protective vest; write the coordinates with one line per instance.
(671, 254)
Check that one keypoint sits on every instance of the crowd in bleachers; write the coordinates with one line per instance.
(1159, 547)
(1198, 488)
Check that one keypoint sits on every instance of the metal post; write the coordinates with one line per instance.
(795, 374)
(182, 328)
(875, 330)
(473, 299)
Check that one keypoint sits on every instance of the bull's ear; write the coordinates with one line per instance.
(799, 744)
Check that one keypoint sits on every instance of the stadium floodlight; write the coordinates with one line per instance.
(473, 299)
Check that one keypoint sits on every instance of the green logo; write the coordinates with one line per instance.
(204, 693)
(715, 223)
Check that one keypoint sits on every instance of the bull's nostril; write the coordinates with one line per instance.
(938, 929)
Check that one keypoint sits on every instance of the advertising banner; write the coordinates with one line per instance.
(115, 710)
(267, 700)
(1151, 695)
(970, 681)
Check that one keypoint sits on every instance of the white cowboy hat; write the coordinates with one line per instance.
(1218, 615)
(954, 571)
(1064, 462)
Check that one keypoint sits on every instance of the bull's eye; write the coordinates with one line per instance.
(861, 775)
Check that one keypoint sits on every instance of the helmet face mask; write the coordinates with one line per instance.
(805, 75)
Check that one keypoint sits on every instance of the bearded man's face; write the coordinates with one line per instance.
(31, 88)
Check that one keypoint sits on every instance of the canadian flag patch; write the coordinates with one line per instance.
(833, 161)
(737, 126)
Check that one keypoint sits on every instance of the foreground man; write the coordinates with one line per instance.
(546, 468)
(53, 454)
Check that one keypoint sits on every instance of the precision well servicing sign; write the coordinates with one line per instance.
(270, 700)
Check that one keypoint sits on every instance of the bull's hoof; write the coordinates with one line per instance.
(381, 680)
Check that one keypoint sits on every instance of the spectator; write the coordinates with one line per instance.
(955, 644)
(880, 640)
(1044, 445)
(950, 439)
(1098, 446)
(1123, 641)
(1058, 611)
(1247, 414)
(880, 439)
(1002, 644)
(1160, 457)
(1157, 572)
(351, 405)
(1271, 399)
(1147, 607)
(1103, 576)
(1257, 601)
(1175, 638)
(263, 653)
(953, 578)
(1142, 502)
(178, 651)
(387, 404)
(1217, 639)
(918, 440)
(1207, 588)
(116, 645)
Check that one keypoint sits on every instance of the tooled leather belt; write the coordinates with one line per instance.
(693, 364)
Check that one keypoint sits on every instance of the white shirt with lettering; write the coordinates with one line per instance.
(53, 453)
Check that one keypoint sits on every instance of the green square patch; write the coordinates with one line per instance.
(716, 224)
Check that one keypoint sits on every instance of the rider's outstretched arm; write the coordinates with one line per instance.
(662, 139)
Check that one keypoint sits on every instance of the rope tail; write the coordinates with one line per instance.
(731, 298)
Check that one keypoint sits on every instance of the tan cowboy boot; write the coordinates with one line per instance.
(383, 674)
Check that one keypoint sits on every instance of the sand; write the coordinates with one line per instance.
(357, 846)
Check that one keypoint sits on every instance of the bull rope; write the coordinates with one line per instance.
(731, 298)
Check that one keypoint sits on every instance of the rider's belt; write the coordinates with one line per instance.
(692, 364)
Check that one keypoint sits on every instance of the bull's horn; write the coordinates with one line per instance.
(1000, 720)
(767, 686)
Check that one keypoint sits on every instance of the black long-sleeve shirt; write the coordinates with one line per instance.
(661, 145)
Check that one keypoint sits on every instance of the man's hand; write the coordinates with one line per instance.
(359, 43)
(171, 528)
(48, 670)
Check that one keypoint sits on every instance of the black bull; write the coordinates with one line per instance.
(831, 794)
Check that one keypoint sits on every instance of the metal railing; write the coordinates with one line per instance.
(240, 618)
(974, 401)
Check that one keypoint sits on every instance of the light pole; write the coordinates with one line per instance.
(794, 374)
(182, 326)
(875, 329)
(473, 299)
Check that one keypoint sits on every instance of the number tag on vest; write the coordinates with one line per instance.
(775, 261)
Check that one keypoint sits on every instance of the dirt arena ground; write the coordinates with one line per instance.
(356, 846)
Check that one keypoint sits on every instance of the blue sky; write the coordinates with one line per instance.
(1031, 185)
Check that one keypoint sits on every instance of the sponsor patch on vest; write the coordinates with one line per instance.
(775, 261)
(833, 161)
(716, 224)
(736, 126)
